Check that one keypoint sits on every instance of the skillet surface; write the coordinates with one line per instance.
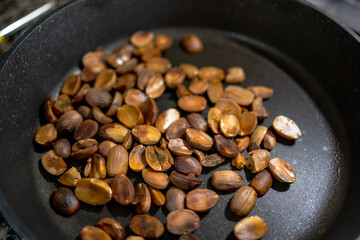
(38, 66)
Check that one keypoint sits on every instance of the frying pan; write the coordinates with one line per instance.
(312, 62)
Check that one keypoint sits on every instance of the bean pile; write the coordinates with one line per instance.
(107, 117)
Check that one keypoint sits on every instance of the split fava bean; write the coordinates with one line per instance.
(182, 221)
(201, 200)
(286, 128)
(250, 228)
(282, 170)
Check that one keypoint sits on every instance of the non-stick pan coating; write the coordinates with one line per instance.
(310, 61)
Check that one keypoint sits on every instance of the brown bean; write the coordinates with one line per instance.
(89, 73)
(117, 161)
(97, 166)
(65, 202)
(62, 105)
(243, 201)
(242, 143)
(115, 104)
(141, 38)
(144, 77)
(128, 140)
(150, 53)
(150, 111)
(105, 147)
(248, 122)
(106, 79)
(262, 182)
(258, 108)
(156, 86)
(114, 132)
(142, 199)
(93, 191)
(182, 91)
(225, 147)
(175, 199)
(190, 70)
(62, 147)
(174, 77)
(229, 125)
(215, 91)
(48, 111)
(91, 233)
(100, 116)
(46, 134)
(257, 137)
(146, 226)
(200, 155)
(163, 42)
(282, 171)
(134, 97)
(192, 103)
(177, 129)
(159, 65)
(201, 200)
(214, 117)
(111, 227)
(80, 96)
(137, 160)
(197, 121)
(87, 129)
(239, 161)
(184, 181)
(70, 177)
(240, 95)
(269, 140)
(188, 236)
(98, 97)
(192, 43)
(198, 139)
(250, 228)
(127, 66)
(157, 158)
(166, 118)
(125, 82)
(125, 49)
(83, 149)
(258, 160)
(157, 197)
(261, 91)
(53, 163)
(84, 111)
(226, 180)
(71, 85)
(179, 146)
(286, 128)
(182, 221)
(123, 190)
(228, 106)
(155, 179)
(212, 160)
(146, 134)
(130, 115)
(135, 238)
(235, 75)
(211, 73)
(90, 57)
(116, 59)
(198, 86)
(141, 50)
(187, 165)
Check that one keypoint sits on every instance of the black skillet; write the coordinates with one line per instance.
(312, 62)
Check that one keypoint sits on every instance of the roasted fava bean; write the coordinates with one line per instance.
(46, 134)
(242, 143)
(197, 121)
(155, 179)
(156, 86)
(83, 149)
(198, 139)
(137, 160)
(157, 197)
(166, 118)
(157, 158)
(250, 228)
(257, 137)
(200, 155)
(248, 122)
(98, 97)
(106, 79)
(130, 116)
(235, 75)
(182, 91)
(114, 106)
(282, 171)
(212, 160)
(262, 182)
(175, 199)
(192, 103)
(146, 134)
(100, 116)
(184, 181)
(143, 78)
(214, 117)
(211, 73)
(62, 147)
(182, 221)
(123, 190)
(113, 132)
(261, 91)
(65, 202)
(141, 38)
(150, 53)
(135, 238)
(48, 111)
(91, 57)
(71, 85)
(190, 70)
(286, 128)
(226, 180)
(125, 82)
(174, 77)
(192, 43)
(147, 226)
(112, 227)
(243, 201)
(188, 236)
(163, 42)
(127, 66)
(201, 200)
(228, 106)
(84, 111)
(87, 129)
(98, 168)
(159, 65)
(93, 191)
(229, 125)
(258, 108)
(215, 91)
(177, 128)
(134, 97)
(91, 233)
(62, 105)
(80, 96)
(179, 146)
(89, 73)
(150, 111)
(128, 140)
(53, 163)
(258, 160)
(198, 86)
(240, 95)
(117, 161)
(70, 177)
(226, 147)
(239, 161)
(105, 147)
(187, 165)
(142, 199)
(269, 141)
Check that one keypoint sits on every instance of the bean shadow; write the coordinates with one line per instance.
(230, 215)
(116, 209)
(45, 174)
(280, 187)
